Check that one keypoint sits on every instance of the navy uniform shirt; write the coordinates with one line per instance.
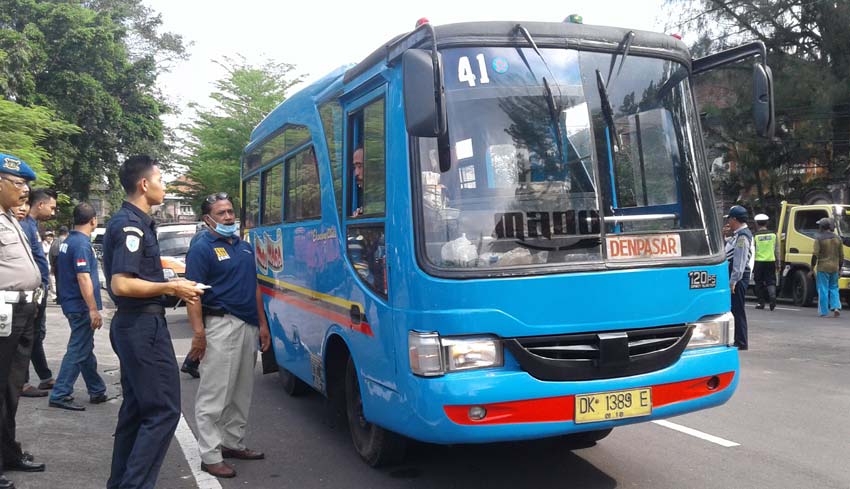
(130, 246)
(76, 256)
(230, 270)
(30, 228)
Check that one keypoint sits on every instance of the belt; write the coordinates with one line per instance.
(209, 311)
(148, 309)
(20, 296)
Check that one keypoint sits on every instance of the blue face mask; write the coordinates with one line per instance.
(226, 230)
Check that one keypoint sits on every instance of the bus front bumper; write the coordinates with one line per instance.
(519, 407)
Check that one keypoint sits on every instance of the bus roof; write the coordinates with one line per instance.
(545, 34)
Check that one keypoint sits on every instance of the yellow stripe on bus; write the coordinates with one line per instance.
(337, 301)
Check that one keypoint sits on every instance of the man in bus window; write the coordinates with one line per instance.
(227, 324)
(357, 162)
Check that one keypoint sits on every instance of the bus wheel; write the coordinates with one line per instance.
(292, 385)
(586, 438)
(375, 445)
(803, 291)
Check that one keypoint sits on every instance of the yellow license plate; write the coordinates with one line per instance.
(609, 406)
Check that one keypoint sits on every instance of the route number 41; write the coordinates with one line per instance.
(465, 73)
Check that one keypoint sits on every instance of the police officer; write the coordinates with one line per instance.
(138, 332)
(20, 293)
(764, 271)
(738, 254)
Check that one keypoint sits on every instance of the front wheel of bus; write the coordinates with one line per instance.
(375, 445)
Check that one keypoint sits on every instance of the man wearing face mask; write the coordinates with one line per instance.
(227, 324)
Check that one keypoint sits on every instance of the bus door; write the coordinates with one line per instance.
(364, 234)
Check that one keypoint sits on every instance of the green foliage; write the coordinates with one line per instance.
(807, 43)
(94, 64)
(22, 129)
(218, 135)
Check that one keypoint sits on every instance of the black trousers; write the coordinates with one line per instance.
(151, 408)
(739, 311)
(764, 275)
(15, 352)
(39, 359)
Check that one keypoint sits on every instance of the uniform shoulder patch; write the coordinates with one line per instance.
(742, 242)
(132, 243)
(133, 229)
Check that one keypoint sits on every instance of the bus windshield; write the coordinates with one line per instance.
(543, 175)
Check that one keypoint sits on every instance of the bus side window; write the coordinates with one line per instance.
(365, 241)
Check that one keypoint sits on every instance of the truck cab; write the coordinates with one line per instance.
(796, 234)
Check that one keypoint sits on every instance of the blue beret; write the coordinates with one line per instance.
(16, 166)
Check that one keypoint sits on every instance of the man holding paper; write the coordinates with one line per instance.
(227, 325)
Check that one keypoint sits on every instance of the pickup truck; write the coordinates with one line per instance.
(796, 231)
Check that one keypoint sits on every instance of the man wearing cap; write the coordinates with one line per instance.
(827, 255)
(739, 255)
(20, 280)
(42, 208)
(764, 271)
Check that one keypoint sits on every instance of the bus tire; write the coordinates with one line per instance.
(802, 289)
(376, 446)
(586, 439)
(292, 385)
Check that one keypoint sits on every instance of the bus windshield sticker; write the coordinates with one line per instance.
(642, 247)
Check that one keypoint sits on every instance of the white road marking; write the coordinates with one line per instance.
(697, 433)
(189, 444)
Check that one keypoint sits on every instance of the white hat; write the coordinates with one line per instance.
(761, 217)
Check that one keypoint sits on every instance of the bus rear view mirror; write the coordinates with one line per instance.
(763, 100)
(424, 111)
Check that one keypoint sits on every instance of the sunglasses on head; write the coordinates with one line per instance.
(216, 197)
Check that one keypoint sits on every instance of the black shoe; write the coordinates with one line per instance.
(47, 384)
(23, 465)
(66, 403)
(98, 399)
(191, 370)
(760, 306)
(6, 483)
(772, 307)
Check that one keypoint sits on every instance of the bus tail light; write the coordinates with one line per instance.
(713, 331)
(432, 355)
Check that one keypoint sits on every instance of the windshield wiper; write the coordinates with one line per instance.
(551, 103)
(607, 111)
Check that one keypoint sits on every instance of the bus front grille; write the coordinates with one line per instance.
(604, 355)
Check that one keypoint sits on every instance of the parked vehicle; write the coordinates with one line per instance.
(174, 240)
(797, 226)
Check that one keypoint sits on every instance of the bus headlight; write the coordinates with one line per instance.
(432, 355)
(713, 331)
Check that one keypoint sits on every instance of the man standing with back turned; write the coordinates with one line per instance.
(764, 272)
(139, 333)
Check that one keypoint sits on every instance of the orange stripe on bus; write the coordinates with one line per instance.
(363, 327)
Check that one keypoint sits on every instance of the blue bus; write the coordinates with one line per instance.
(497, 231)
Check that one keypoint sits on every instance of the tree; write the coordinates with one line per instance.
(808, 47)
(93, 63)
(22, 129)
(218, 135)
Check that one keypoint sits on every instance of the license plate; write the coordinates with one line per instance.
(608, 406)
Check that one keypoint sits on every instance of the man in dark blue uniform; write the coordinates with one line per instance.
(79, 294)
(42, 208)
(138, 332)
(20, 292)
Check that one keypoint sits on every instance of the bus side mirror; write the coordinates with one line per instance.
(424, 111)
(763, 100)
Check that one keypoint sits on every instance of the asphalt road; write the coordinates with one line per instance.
(788, 424)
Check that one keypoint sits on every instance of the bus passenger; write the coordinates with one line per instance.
(357, 161)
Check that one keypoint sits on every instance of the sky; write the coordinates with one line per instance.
(322, 35)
